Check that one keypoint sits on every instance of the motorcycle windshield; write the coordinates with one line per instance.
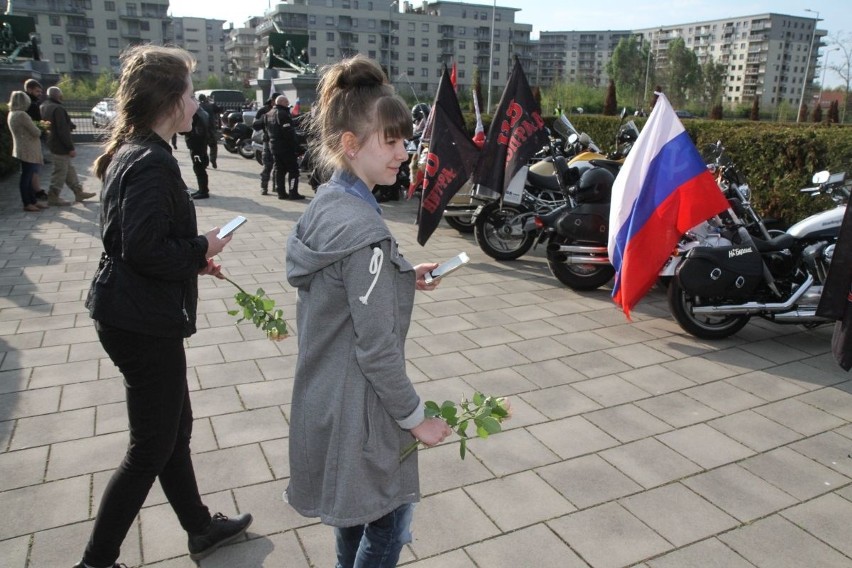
(564, 127)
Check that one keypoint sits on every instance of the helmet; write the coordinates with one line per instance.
(595, 186)
(202, 98)
(234, 118)
(419, 112)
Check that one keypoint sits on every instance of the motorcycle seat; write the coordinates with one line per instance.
(781, 242)
(543, 181)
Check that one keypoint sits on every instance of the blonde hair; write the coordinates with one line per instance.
(354, 96)
(19, 100)
(152, 83)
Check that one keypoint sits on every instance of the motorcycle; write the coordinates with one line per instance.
(730, 268)
(236, 136)
(504, 229)
(578, 232)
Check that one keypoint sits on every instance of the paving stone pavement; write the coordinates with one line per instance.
(632, 444)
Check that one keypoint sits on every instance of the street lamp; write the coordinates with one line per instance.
(807, 65)
(824, 68)
(491, 59)
(390, 30)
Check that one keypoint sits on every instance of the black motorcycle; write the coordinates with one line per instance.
(236, 136)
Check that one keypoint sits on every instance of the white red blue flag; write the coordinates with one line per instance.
(663, 190)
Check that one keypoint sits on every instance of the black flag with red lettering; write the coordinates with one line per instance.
(449, 161)
(516, 133)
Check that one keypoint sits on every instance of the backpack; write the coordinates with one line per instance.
(201, 124)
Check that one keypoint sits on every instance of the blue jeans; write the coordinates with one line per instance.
(26, 183)
(376, 544)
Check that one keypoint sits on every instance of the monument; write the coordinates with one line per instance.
(20, 55)
(287, 69)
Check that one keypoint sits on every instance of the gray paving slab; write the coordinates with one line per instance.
(631, 444)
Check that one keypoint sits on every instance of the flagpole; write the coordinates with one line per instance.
(491, 58)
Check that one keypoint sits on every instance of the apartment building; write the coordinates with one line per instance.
(575, 56)
(205, 39)
(85, 37)
(767, 55)
(412, 44)
(241, 52)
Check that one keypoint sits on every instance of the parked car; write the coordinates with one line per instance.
(227, 99)
(103, 113)
(684, 114)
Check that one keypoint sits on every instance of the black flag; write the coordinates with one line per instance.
(450, 160)
(836, 300)
(516, 133)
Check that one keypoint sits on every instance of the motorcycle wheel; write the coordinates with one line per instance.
(496, 231)
(581, 277)
(246, 150)
(461, 224)
(258, 155)
(229, 145)
(701, 326)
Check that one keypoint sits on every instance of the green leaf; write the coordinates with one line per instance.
(490, 425)
(259, 292)
(268, 304)
(448, 413)
(478, 399)
(463, 447)
(233, 312)
(432, 405)
(481, 431)
(462, 429)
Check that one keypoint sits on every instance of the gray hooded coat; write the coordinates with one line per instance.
(353, 403)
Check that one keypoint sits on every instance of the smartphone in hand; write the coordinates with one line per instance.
(231, 226)
(447, 267)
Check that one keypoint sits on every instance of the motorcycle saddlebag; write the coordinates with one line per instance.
(583, 225)
(721, 272)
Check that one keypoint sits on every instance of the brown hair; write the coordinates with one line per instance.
(354, 96)
(153, 80)
(30, 84)
(19, 100)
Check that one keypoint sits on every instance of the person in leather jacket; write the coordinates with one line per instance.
(266, 157)
(143, 299)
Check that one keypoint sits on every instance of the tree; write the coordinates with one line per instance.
(684, 72)
(610, 104)
(755, 109)
(627, 68)
(834, 113)
(803, 113)
(816, 115)
(713, 75)
(844, 68)
(716, 112)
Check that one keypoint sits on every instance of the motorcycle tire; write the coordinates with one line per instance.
(258, 155)
(461, 224)
(246, 150)
(701, 326)
(229, 145)
(494, 233)
(580, 277)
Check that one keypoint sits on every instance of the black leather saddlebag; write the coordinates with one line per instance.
(721, 272)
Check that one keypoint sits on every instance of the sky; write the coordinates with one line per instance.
(557, 15)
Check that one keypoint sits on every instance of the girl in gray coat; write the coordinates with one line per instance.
(354, 408)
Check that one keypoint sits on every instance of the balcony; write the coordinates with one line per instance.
(76, 30)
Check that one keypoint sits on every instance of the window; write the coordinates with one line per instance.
(112, 25)
(461, 59)
(57, 40)
(59, 58)
(113, 60)
(424, 72)
(93, 41)
(329, 20)
(329, 52)
(329, 36)
(410, 71)
(313, 35)
(425, 42)
(93, 60)
(145, 26)
(313, 52)
(409, 56)
(411, 42)
(109, 6)
(312, 20)
(55, 20)
(462, 45)
(371, 54)
(424, 28)
(496, 75)
(371, 39)
(412, 26)
(424, 58)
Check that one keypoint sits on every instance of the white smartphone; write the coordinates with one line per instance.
(232, 226)
(447, 267)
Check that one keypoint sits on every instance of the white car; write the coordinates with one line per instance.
(103, 113)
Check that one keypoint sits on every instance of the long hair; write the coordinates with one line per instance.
(19, 100)
(152, 83)
(354, 96)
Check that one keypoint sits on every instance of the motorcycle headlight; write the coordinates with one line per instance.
(745, 191)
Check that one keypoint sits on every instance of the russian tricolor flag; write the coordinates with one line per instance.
(663, 190)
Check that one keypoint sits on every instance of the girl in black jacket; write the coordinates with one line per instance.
(143, 300)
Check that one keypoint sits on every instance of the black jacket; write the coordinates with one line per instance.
(836, 297)
(280, 129)
(147, 280)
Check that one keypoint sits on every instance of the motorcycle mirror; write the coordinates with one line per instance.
(821, 177)
(584, 139)
(623, 112)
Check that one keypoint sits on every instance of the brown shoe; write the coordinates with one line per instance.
(42, 204)
(56, 200)
(82, 195)
(31, 208)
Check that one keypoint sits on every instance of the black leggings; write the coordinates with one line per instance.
(160, 415)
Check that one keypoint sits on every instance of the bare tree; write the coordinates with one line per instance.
(843, 41)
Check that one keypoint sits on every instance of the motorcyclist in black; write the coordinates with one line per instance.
(268, 161)
(196, 141)
(284, 144)
(214, 111)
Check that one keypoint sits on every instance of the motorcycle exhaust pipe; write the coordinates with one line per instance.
(799, 315)
(577, 254)
(750, 308)
(578, 259)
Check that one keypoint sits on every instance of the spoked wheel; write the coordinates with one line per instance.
(462, 224)
(704, 326)
(246, 150)
(577, 276)
(499, 231)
